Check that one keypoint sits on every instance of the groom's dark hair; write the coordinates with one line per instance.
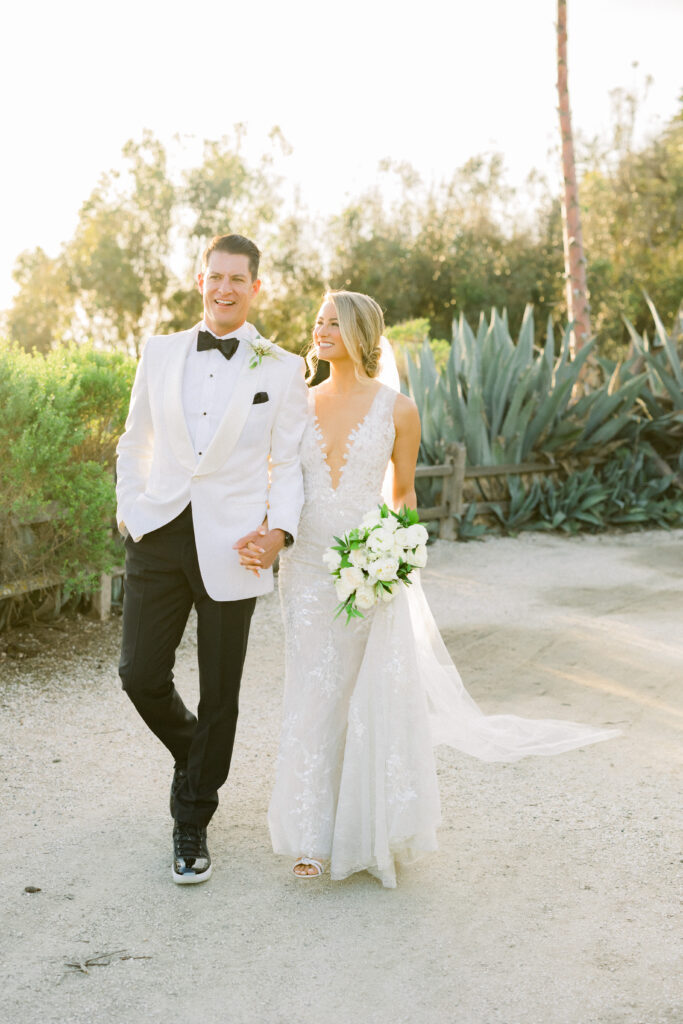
(238, 245)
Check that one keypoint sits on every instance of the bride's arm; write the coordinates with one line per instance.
(406, 448)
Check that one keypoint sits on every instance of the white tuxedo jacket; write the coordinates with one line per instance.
(250, 467)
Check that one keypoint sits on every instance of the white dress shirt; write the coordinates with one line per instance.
(208, 384)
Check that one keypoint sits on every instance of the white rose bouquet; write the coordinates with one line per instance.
(368, 562)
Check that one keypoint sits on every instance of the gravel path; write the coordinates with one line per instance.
(552, 899)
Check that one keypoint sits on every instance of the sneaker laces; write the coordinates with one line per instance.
(189, 839)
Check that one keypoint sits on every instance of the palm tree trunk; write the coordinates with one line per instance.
(578, 308)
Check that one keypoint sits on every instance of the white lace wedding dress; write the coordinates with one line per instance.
(365, 703)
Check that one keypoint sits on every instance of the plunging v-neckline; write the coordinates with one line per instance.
(348, 444)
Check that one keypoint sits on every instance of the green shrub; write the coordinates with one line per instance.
(624, 491)
(408, 338)
(60, 417)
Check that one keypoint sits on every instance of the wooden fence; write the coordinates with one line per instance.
(455, 472)
(17, 537)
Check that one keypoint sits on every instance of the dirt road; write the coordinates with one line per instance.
(552, 899)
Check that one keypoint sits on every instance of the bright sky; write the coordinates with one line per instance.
(433, 82)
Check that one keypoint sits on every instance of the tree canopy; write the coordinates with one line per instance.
(423, 250)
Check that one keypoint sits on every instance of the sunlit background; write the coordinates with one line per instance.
(431, 83)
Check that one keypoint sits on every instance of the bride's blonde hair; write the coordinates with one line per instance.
(361, 325)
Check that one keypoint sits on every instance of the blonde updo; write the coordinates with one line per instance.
(361, 325)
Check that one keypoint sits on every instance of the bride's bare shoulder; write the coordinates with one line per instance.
(406, 416)
(405, 407)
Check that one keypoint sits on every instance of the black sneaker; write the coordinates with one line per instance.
(179, 776)
(191, 860)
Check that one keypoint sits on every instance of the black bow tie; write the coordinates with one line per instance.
(226, 346)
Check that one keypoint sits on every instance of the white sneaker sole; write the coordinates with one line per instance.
(191, 879)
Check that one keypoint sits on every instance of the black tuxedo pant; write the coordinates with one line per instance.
(161, 585)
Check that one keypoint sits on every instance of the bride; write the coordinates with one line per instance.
(365, 702)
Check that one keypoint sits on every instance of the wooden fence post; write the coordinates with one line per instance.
(101, 598)
(452, 494)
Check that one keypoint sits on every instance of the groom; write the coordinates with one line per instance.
(209, 453)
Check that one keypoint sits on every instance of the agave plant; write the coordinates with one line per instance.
(623, 492)
(636, 495)
(662, 399)
(507, 401)
(510, 402)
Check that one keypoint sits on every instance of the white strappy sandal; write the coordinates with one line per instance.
(308, 862)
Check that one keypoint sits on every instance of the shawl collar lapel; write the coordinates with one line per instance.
(176, 425)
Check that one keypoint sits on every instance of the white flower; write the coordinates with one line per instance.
(375, 541)
(261, 349)
(372, 518)
(380, 541)
(359, 558)
(384, 569)
(402, 536)
(414, 535)
(418, 557)
(332, 559)
(397, 551)
(390, 524)
(386, 595)
(343, 590)
(352, 576)
(365, 597)
(410, 536)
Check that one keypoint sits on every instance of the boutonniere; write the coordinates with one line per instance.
(261, 349)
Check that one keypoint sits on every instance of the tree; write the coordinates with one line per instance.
(633, 218)
(118, 258)
(224, 194)
(578, 309)
(425, 251)
(434, 252)
(41, 312)
(293, 284)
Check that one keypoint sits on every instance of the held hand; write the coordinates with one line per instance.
(254, 537)
(257, 550)
(250, 558)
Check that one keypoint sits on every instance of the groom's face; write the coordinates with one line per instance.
(227, 290)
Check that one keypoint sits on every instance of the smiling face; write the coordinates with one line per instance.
(327, 335)
(227, 290)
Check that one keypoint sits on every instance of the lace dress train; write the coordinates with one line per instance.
(365, 703)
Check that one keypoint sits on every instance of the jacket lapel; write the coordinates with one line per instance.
(176, 425)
